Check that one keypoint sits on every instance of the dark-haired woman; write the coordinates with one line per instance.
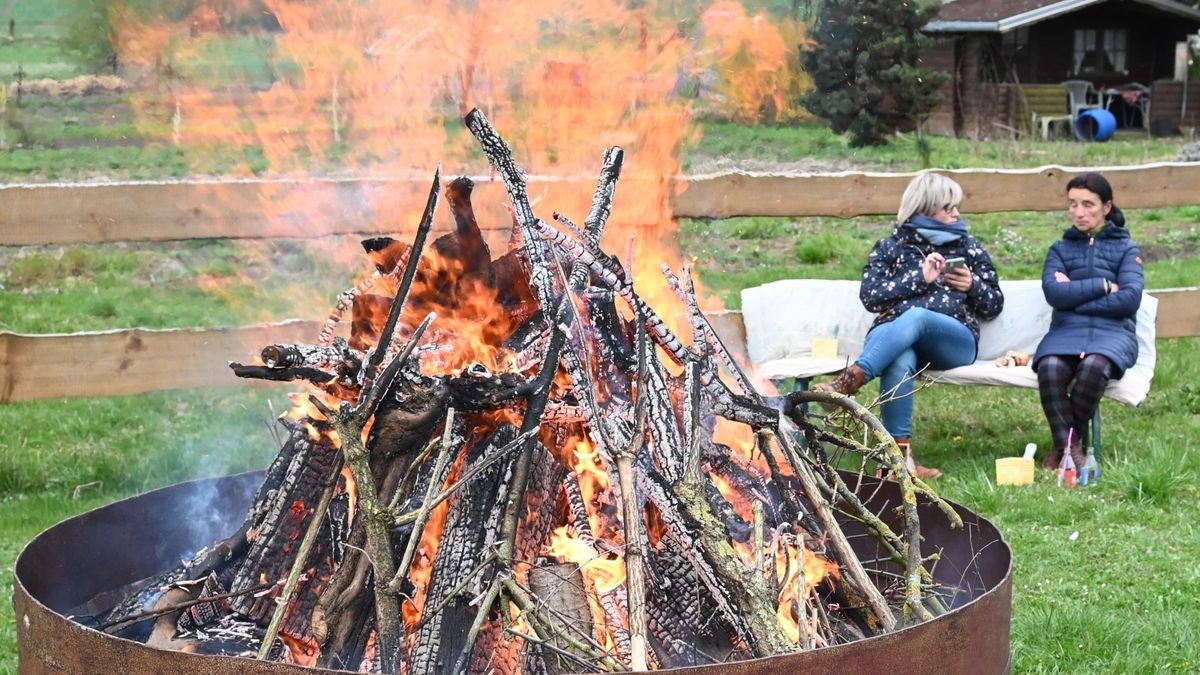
(1092, 278)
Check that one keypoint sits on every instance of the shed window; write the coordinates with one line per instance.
(1100, 50)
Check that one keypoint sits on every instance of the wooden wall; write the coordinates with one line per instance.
(1166, 101)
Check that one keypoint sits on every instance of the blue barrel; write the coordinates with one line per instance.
(1095, 124)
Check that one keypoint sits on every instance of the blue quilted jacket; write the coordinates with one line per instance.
(892, 281)
(1085, 320)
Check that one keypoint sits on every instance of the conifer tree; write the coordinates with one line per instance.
(865, 67)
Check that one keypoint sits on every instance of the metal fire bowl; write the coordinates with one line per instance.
(72, 562)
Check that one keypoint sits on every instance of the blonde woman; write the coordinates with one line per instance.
(930, 282)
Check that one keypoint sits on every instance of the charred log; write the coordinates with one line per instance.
(279, 522)
(442, 637)
(467, 245)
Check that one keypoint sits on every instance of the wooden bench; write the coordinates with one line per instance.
(783, 317)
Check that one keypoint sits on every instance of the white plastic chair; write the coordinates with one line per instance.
(1081, 96)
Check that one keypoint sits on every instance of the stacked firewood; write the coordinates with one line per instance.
(560, 504)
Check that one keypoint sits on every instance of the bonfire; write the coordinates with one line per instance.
(514, 463)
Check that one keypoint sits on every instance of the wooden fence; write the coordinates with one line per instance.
(76, 213)
(139, 360)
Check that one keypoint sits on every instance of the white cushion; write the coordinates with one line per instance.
(783, 317)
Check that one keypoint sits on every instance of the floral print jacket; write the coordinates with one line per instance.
(892, 281)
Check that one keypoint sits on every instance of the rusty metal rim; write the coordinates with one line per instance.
(974, 635)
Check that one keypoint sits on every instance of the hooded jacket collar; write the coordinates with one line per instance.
(1110, 231)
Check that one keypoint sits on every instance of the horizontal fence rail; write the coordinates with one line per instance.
(131, 361)
(984, 191)
(135, 361)
(87, 213)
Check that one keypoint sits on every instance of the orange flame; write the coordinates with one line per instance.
(604, 573)
(350, 486)
(793, 563)
(302, 651)
(376, 87)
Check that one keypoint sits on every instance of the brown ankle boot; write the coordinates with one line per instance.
(848, 382)
(922, 472)
(1052, 459)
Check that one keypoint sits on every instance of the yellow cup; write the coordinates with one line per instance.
(1016, 470)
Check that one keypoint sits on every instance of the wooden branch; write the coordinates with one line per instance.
(159, 611)
(891, 455)
(410, 273)
(755, 598)
(846, 556)
(635, 573)
(349, 423)
(540, 619)
(314, 376)
(432, 611)
(485, 608)
(410, 549)
(468, 475)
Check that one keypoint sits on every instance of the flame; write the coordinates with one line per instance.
(376, 87)
(740, 438)
(794, 562)
(303, 409)
(302, 651)
(741, 505)
(604, 573)
(594, 483)
(350, 486)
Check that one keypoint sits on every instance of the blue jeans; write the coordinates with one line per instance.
(896, 350)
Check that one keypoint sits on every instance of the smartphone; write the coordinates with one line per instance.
(953, 264)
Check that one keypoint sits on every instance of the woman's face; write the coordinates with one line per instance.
(947, 213)
(1088, 211)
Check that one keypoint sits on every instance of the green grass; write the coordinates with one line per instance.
(226, 60)
(38, 47)
(61, 458)
(203, 283)
(814, 142)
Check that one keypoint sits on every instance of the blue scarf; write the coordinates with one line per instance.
(935, 231)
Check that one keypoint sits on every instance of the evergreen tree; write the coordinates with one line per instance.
(864, 67)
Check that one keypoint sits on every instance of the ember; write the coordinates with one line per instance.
(512, 465)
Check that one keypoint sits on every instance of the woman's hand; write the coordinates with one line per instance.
(932, 266)
(1061, 278)
(960, 278)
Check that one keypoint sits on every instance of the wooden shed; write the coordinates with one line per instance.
(1010, 58)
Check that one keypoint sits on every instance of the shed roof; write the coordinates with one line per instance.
(1001, 16)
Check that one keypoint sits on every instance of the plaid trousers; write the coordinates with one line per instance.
(1071, 388)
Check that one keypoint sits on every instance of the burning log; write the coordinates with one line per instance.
(554, 498)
